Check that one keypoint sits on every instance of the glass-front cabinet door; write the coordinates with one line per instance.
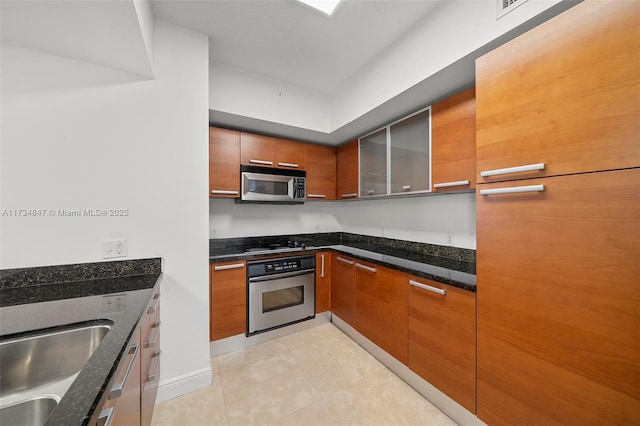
(373, 164)
(410, 153)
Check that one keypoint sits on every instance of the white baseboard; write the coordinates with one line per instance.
(240, 341)
(183, 385)
(451, 408)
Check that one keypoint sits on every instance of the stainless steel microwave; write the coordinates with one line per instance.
(268, 185)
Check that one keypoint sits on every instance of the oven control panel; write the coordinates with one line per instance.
(283, 265)
(279, 265)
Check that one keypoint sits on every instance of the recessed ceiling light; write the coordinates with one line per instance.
(325, 6)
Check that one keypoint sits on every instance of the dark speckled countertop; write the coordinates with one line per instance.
(448, 265)
(30, 300)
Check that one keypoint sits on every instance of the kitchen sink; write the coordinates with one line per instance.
(44, 357)
(31, 412)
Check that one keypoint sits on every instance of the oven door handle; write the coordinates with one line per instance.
(281, 275)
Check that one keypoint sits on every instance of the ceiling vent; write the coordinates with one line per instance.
(506, 6)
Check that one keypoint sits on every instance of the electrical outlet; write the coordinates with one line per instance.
(114, 303)
(450, 239)
(114, 248)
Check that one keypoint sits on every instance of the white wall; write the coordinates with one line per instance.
(140, 146)
(422, 219)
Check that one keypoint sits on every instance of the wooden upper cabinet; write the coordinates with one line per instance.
(224, 163)
(453, 142)
(257, 150)
(565, 94)
(289, 154)
(320, 163)
(347, 171)
(442, 338)
(381, 307)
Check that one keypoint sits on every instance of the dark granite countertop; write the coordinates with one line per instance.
(36, 305)
(422, 260)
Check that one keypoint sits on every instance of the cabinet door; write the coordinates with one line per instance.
(410, 148)
(228, 299)
(343, 288)
(320, 163)
(347, 185)
(442, 338)
(289, 154)
(558, 289)
(381, 307)
(373, 164)
(257, 150)
(564, 94)
(126, 403)
(453, 144)
(224, 163)
(323, 282)
(150, 359)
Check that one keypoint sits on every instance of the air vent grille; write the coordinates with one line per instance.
(505, 6)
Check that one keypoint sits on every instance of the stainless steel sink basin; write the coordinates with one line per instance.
(32, 412)
(44, 357)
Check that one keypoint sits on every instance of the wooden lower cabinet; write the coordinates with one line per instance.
(442, 338)
(381, 307)
(228, 299)
(343, 288)
(559, 301)
(150, 358)
(323, 282)
(125, 402)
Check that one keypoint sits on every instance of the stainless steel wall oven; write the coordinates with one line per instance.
(280, 292)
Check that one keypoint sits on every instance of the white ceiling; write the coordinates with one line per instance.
(293, 43)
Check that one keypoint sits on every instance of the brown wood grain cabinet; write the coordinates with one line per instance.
(320, 164)
(564, 94)
(224, 163)
(228, 297)
(442, 338)
(124, 398)
(257, 150)
(453, 142)
(381, 307)
(343, 288)
(557, 265)
(323, 281)
(347, 171)
(150, 357)
(289, 154)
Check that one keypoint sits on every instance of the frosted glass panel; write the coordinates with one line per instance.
(410, 153)
(373, 164)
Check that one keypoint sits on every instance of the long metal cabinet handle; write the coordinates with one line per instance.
(316, 196)
(428, 287)
(342, 259)
(365, 267)
(153, 368)
(116, 390)
(152, 342)
(512, 190)
(225, 267)
(106, 416)
(448, 184)
(406, 187)
(322, 268)
(223, 192)
(288, 165)
(350, 195)
(266, 163)
(517, 169)
(153, 308)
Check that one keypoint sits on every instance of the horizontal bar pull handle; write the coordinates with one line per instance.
(223, 192)
(293, 165)
(116, 390)
(225, 267)
(153, 308)
(316, 196)
(448, 184)
(428, 287)
(263, 162)
(512, 190)
(517, 169)
(350, 195)
(343, 260)
(153, 368)
(366, 268)
(152, 341)
(406, 187)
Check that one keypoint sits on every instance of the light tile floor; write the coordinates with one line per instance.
(315, 377)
